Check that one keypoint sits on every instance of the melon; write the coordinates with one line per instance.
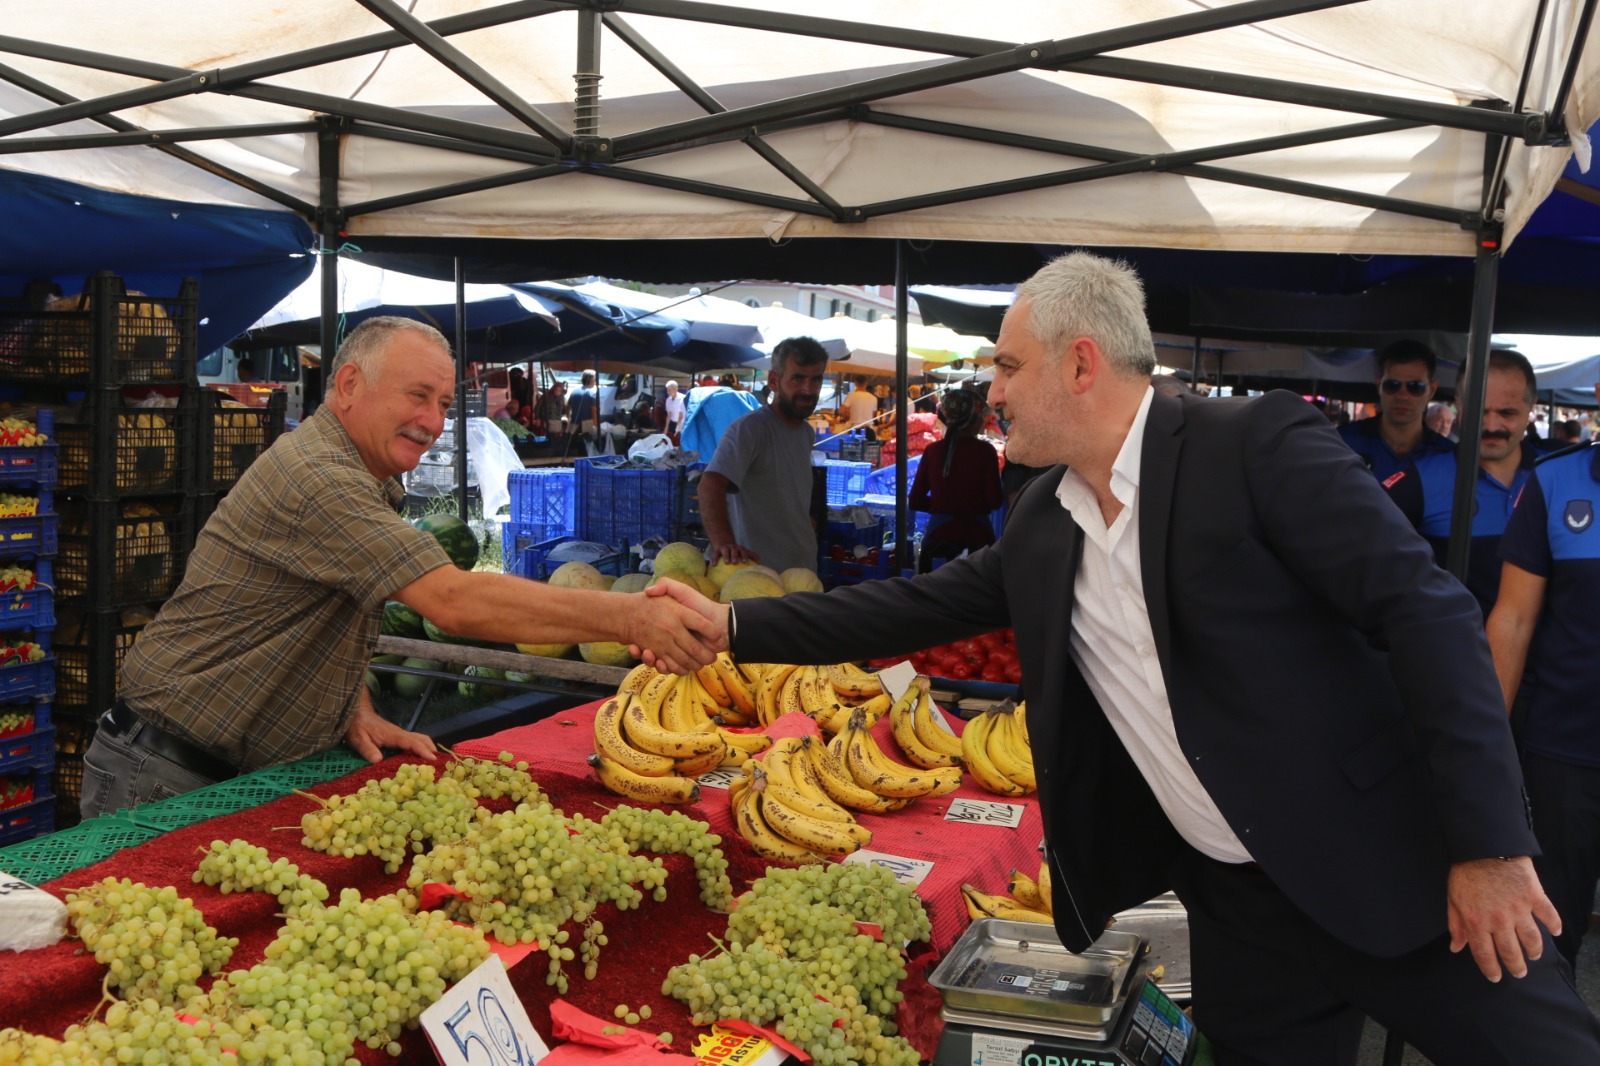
(454, 536)
(607, 582)
(476, 690)
(576, 575)
(719, 573)
(549, 651)
(606, 653)
(749, 585)
(401, 621)
(707, 587)
(413, 685)
(374, 686)
(680, 557)
(633, 583)
(800, 579)
(436, 634)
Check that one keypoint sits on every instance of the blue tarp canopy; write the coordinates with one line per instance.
(245, 259)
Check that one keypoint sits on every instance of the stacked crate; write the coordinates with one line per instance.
(232, 436)
(28, 540)
(119, 369)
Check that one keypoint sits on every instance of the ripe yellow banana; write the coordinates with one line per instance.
(695, 765)
(1043, 881)
(852, 682)
(767, 692)
(775, 763)
(654, 694)
(609, 742)
(835, 779)
(822, 838)
(876, 708)
(975, 757)
(1022, 722)
(1002, 907)
(735, 757)
(624, 782)
(875, 771)
(636, 679)
(1025, 890)
(930, 732)
(789, 693)
(902, 723)
(740, 696)
(759, 835)
(833, 718)
(1007, 751)
(751, 743)
(800, 799)
(650, 735)
(711, 681)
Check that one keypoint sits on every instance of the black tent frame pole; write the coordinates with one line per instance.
(1469, 400)
(330, 222)
(902, 512)
(461, 389)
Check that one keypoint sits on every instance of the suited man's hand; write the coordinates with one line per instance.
(1495, 909)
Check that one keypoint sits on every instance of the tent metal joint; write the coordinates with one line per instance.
(592, 150)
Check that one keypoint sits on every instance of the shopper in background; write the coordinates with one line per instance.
(957, 483)
(860, 406)
(259, 656)
(675, 409)
(583, 412)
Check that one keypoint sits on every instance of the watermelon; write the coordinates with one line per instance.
(476, 690)
(401, 621)
(413, 685)
(436, 634)
(372, 683)
(454, 535)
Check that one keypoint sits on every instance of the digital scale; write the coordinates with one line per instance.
(1013, 996)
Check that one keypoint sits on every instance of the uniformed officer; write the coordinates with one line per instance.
(1396, 436)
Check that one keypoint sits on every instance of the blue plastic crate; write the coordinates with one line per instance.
(881, 481)
(28, 751)
(531, 560)
(884, 507)
(36, 464)
(834, 573)
(28, 821)
(35, 534)
(846, 481)
(542, 503)
(619, 504)
(30, 608)
(26, 680)
(39, 709)
(28, 776)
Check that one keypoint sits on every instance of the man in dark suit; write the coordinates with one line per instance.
(1246, 680)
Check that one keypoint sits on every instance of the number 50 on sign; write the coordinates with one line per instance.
(481, 1022)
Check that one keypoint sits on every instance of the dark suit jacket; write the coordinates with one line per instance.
(1330, 685)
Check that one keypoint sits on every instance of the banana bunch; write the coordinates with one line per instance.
(655, 736)
(922, 740)
(872, 770)
(784, 813)
(731, 689)
(994, 749)
(827, 694)
(1029, 900)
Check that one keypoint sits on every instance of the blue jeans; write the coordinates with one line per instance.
(118, 773)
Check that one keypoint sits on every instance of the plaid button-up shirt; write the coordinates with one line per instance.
(260, 653)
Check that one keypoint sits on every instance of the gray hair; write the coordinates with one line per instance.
(367, 343)
(1083, 295)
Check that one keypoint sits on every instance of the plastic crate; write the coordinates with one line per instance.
(72, 740)
(31, 751)
(39, 711)
(49, 857)
(26, 822)
(32, 464)
(849, 535)
(35, 534)
(121, 449)
(881, 481)
(542, 503)
(224, 797)
(691, 527)
(105, 335)
(866, 450)
(231, 438)
(884, 508)
(34, 782)
(30, 608)
(89, 647)
(24, 681)
(532, 560)
(835, 573)
(113, 559)
(846, 481)
(619, 504)
(315, 769)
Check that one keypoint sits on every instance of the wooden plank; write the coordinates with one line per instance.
(565, 669)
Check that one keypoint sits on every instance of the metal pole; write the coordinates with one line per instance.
(1469, 399)
(902, 374)
(330, 220)
(1194, 367)
(461, 390)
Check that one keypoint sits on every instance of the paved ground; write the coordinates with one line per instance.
(1588, 986)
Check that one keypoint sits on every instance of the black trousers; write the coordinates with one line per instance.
(1272, 989)
(1565, 800)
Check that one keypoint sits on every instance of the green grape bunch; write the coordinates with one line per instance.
(239, 866)
(155, 943)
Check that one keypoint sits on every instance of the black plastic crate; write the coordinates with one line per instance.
(233, 437)
(115, 553)
(104, 335)
(89, 649)
(119, 448)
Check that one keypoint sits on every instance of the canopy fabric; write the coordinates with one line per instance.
(1333, 126)
(1570, 383)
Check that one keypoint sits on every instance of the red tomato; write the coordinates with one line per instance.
(994, 672)
(1013, 673)
(970, 648)
(991, 641)
(960, 670)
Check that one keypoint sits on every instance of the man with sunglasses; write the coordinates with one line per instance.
(1425, 490)
(1397, 436)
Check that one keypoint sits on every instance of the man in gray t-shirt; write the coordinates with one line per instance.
(755, 496)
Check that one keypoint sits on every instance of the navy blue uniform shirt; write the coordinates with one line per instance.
(1365, 440)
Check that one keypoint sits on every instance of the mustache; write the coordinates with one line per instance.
(421, 437)
(1496, 434)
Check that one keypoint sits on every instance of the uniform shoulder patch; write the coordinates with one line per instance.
(1579, 515)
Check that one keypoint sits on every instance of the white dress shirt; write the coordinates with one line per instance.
(1114, 647)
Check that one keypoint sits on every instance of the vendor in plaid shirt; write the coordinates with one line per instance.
(259, 656)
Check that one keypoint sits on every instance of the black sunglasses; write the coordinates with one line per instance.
(1392, 387)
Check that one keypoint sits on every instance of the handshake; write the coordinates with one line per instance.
(676, 629)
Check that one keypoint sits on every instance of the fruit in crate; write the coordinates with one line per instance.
(19, 654)
(800, 579)
(578, 575)
(18, 505)
(476, 689)
(680, 559)
(633, 583)
(748, 584)
(606, 653)
(454, 536)
(20, 433)
(13, 577)
(12, 722)
(989, 657)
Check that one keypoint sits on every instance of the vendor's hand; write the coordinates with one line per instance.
(733, 552)
(370, 733)
(676, 629)
(1495, 907)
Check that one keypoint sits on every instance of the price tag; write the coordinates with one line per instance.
(863, 518)
(481, 1022)
(721, 777)
(897, 678)
(984, 812)
(991, 1050)
(909, 872)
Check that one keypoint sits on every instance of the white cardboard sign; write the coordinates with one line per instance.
(481, 1022)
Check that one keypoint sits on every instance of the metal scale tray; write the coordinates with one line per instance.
(1019, 970)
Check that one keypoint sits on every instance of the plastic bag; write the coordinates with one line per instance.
(650, 448)
(492, 458)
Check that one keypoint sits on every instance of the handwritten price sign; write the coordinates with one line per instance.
(481, 1022)
(984, 812)
(909, 872)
